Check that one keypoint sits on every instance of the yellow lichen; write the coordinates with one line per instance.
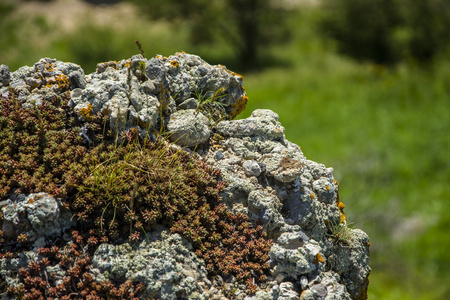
(48, 67)
(217, 137)
(232, 73)
(86, 112)
(239, 106)
(236, 74)
(318, 259)
(339, 204)
(174, 63)
(327, 188)
(61, 81)
(312, 196)
(341, 207)
(106, 111)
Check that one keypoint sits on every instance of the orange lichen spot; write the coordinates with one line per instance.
(101, 67)
(174, 63)
(106, 111)
(238, 75)
(239, 106)
(49, 67)
(234, 74)
(33, 199)
(312, 196)
(327, 188)
(339, 204)
(341, 207)
(86, 112)
(318, 259)
(161, 57)
(62, 81)
(179, 53)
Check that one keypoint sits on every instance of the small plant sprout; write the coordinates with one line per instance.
(209, 104)
(341, 233)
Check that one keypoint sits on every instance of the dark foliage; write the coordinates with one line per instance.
(387, 31)
(364, 28)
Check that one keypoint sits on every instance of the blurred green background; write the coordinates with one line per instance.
(362, 86)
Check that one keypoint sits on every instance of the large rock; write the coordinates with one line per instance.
(269, 179)
(295, 199)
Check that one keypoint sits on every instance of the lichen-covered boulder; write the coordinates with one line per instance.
(145, 93)
(136, 91)
(314, 254)
(297, 202)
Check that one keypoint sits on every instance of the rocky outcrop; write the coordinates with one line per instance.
(315, 255)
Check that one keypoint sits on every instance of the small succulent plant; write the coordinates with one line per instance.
(116, 190)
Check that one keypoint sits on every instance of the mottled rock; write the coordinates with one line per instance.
(288, 291)
(190, 103)
(252, 168)
(262, 123)
(5, 75)
(35, 215)
(188, 128)
(166, 266)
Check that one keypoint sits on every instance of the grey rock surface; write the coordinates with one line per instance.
(269, 179)
(37, 215)
(295, 199)
(165, 265)
(4, 75)
(188, 128)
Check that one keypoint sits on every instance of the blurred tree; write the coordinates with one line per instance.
(386, 31)
(429, 27)
(364, 28)
(245, 25)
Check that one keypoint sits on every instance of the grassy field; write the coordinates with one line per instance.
(384, 131)
(386, 134)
